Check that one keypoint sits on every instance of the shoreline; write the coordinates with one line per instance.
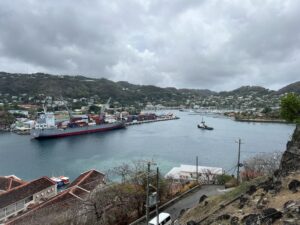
(262, 121)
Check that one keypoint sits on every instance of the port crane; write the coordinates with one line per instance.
(68, 109)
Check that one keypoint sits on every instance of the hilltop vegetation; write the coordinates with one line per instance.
(79, 87)
(33, 88)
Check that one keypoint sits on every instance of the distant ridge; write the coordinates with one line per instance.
(244, 90)
(294, 87)
(79, 86)
(121, 91)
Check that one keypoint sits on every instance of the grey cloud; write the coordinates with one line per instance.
(212, 44)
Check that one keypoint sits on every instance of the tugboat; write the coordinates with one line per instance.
(203, 126)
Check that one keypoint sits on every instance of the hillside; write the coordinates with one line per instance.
(294, 87)
(265, 200)
(246, 90)
(39, 85)
(80, 86)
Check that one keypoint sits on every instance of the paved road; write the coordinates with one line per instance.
(191, 200)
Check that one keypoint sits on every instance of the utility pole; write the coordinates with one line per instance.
(239, 161)
(147, 199)
(197, 172)
(157, 194)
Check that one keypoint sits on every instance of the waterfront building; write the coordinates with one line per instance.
(18, 199)
(76, 194)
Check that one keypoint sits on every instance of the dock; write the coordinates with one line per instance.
(151, 121)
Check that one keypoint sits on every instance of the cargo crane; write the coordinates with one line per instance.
(66, 105)
(103, 108)
(106, 105)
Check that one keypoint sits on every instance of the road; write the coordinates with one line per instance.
(190, 200)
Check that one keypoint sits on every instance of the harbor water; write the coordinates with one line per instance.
(168, 143)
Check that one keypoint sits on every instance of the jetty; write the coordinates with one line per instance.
(151, 121)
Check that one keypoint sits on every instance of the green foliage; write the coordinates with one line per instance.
(6, 119)
(267, 110)
(290, 107)
(94, 109)
(224, 178)
(76, 87)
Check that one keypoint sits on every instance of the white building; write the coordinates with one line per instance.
(189, 173)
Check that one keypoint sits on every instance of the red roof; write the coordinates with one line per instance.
(77, 191)
(25, 190)
(89, 180)
(9, 182)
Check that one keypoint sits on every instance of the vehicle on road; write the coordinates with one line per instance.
(163, 219)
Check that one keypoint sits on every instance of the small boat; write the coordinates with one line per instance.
(203, 126)
(60, 181)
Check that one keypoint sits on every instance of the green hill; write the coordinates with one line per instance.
(80, 86)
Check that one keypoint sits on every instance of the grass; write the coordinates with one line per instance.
(201, 211)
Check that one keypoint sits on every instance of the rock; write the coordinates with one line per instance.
(192, 222)
(234, 220)
(292, 212)
(182, 212)
(205, 203)
(243, 201)
(261, 202)
(223, 217)
(202, 198)
(270, 215)
(294, 185)
(252, 189)
(251, 219)
(264, 201)
(290, 222)
(268, 185)
(277, 186)
(290, 160)
(288, 204)
(276, 173)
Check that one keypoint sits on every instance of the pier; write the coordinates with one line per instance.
(151, 121)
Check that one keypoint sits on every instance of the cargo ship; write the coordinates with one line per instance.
(46, 126)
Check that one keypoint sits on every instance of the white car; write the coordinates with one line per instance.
(163, 219)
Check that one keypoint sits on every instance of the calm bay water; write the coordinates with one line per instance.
(169, 143)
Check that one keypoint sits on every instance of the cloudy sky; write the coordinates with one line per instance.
(214, 44)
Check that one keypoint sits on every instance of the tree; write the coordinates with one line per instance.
(290, 107)
(260, 165)
(6, 119)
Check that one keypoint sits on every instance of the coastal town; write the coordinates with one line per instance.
(149, 112)
(244, 104)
